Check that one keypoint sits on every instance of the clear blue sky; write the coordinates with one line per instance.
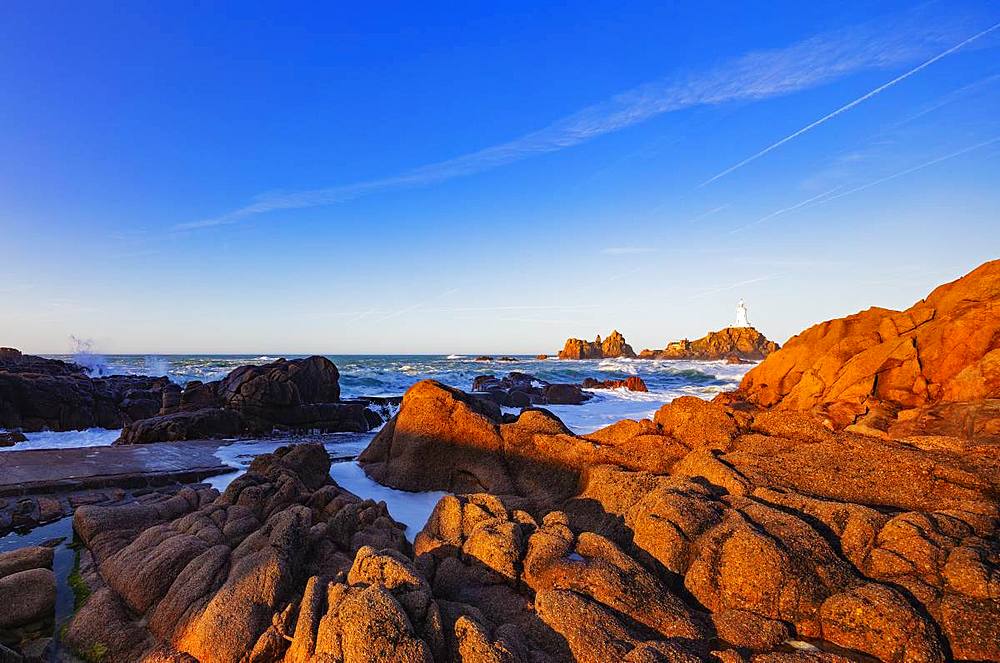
(484, 177)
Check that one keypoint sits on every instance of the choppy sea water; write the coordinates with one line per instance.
(391, 375)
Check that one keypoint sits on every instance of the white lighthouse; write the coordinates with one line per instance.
(741, 315)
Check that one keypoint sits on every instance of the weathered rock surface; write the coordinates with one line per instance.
(880, 369)
(612, 346)
(232, 577)
(48, 394)
(301, 394)
(27, 587)
(733, 344)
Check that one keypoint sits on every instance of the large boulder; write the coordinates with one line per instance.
(297, 395)
(28, 587)
(444, 439)
(49, 394)
(733, 344)
(880, 366)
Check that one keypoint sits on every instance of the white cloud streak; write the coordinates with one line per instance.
(785, 210)
(846, 107)
(755, 76)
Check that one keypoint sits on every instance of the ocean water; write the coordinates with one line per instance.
(391, 375)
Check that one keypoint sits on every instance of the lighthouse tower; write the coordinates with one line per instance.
(741, 315)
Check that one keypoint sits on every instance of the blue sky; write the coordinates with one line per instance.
(391, 178)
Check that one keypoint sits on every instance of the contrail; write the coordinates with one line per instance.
(851, 105)
(784, 210)
(914, 169)
(832, 195)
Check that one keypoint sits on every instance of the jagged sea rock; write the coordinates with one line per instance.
(49, 394)
(632, 383)
(612, 346)
(300, 394)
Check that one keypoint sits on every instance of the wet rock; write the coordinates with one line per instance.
(298, 395)
(633, 383)
(48, 394)
(11, 438)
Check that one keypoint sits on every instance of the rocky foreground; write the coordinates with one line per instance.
(766, 526)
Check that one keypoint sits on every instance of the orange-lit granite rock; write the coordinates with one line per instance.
(613, 346)
(732, 344)
(876, 367)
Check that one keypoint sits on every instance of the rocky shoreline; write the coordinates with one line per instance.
(733, 344)
(842, 505)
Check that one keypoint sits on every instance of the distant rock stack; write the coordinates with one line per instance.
(731, 343)
(613, 346)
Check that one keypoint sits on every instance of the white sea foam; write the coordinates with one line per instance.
(91, 437)
(411, 509)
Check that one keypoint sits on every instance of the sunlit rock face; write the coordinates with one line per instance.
(741, 342)
(880, 368)
(613, 346)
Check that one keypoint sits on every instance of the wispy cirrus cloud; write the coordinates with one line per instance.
(755, 76)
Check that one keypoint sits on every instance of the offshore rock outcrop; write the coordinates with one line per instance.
(49, 394)
(933, 368)
(731, 343)
(300, 394)
(612, 346)
(524, 390)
